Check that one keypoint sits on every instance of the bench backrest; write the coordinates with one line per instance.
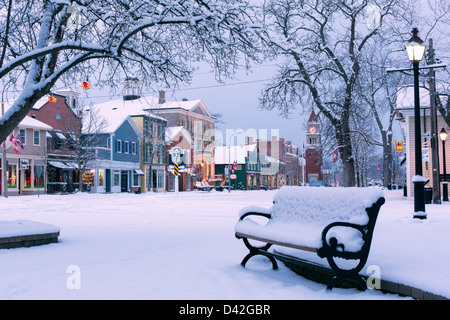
(323, 205)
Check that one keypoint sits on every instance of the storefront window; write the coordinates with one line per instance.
(172, 182)
(27, 179)
(116, 178)
(38, 176)
(101, 177)
(12, 176)
(88, 177)
(135, 179)
(160, 179)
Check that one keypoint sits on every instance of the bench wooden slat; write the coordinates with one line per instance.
(274, 242)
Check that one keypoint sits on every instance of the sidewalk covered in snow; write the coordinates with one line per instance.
(168, 246)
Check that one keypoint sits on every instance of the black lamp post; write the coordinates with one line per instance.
(416, 51)
(443, 135)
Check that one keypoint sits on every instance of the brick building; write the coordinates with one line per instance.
(60, 111)
(313, 150)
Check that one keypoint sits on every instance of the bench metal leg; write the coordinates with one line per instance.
(338, 278)
(252, 254)
(254, 251)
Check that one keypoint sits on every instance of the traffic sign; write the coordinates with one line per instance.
(176, 171)
(176, 154)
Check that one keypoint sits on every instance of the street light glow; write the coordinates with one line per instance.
(415, 47)
(443, 134)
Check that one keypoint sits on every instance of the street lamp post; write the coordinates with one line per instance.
(443, 135)
(416, 51)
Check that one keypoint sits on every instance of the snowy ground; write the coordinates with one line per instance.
(168, 246)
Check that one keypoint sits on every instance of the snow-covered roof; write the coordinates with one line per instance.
(40, 103)
(29, 122)
(222, 154)
(116, 111)
(188, 105)
(172, 132)
(405, 97)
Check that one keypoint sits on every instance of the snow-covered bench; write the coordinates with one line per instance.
(333, 222)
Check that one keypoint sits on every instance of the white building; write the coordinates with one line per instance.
(405, 115)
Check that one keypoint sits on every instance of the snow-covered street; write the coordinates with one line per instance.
(168, 246)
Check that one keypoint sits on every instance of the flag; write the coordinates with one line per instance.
(303, 154)
(17, 142)
(335, 155)
(378, 168)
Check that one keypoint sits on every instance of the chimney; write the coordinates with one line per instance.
(162, 97)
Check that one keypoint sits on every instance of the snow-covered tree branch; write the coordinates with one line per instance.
(159, 41)
(323, 43)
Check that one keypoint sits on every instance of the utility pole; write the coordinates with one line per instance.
(434, 132)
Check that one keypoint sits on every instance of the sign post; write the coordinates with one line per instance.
(176, 154)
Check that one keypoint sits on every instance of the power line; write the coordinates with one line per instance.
(180, 89)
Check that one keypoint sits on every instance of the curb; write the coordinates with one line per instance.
(321, 274)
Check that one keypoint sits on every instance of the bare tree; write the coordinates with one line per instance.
(158, 41)
(322, 42)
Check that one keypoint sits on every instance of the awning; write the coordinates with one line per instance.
(60, 135)
(139, 172)
(61, 165)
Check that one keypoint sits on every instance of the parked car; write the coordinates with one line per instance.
(373, 183)
(319, 184)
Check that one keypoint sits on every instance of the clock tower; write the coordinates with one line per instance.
(313, 150)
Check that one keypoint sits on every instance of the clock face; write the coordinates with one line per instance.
(312, 129)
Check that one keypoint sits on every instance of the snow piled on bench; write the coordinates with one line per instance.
(324, 205)
(299, 215)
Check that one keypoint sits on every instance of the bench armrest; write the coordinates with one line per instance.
(251, 213)
(333, 248)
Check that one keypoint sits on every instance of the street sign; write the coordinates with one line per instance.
(398, 146)
(425, 154)
(176, 170)
(176, 154)
(24, 164)
(426, 135)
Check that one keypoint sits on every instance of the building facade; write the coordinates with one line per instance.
(198, 121)
(115, 166)
(179, 137)
(24, 159)
(405, 112)
(60, 111)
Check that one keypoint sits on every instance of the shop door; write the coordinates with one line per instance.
(124, 181)
(108, 180)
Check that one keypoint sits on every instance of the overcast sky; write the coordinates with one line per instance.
(238, 101)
